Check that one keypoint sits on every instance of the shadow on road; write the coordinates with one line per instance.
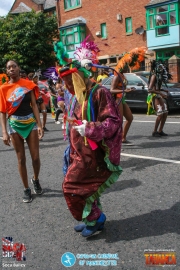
(52, 193)
(141, 165)
(155, 223)
(120, 185)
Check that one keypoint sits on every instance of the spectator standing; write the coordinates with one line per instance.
(18, 100)
(102, 75)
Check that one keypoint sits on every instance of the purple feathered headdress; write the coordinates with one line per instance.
(51, 73)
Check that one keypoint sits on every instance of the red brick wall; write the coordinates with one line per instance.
(174, 68)
(105, 11)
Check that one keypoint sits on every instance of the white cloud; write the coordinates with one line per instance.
(5, 6)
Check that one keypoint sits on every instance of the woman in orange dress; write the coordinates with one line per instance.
(18, 101)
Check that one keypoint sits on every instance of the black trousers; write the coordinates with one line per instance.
(58, 112)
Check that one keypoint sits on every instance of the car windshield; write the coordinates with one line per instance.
(107, 81)
(133, 79)
(144, 79)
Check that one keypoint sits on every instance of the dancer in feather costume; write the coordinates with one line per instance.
(93, 156)
(131, 59)
(157, 97)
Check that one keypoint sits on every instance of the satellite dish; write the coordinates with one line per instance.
(139, 30)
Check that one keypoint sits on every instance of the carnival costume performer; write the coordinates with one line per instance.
(157, 96)
(94, 127)
(131, 60)
(18, 100)
(52, 76)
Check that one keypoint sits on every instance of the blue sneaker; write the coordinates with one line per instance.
(80, 227)
(89, 230)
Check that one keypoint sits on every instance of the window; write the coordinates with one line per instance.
(103, 61)
(128, 22)
(103, 30)
(68, 4)
(151, 22)
(161, 24)
(169, 54)
(161, 18)
(166, 54)
(71, 36)
(172, 17)
(133, 79)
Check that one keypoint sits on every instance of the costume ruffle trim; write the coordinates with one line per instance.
(116, 171)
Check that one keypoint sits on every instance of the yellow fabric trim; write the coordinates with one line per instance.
(26, 121)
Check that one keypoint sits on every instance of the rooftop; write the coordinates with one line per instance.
(155, 2)
(21, 8)
(49, 4)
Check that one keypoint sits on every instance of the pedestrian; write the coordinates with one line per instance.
(102, 75)
(18, 100)
(40, 102)
(60, 99)
(157, 97)
(55, 110)
(23, 74)
(95, 143)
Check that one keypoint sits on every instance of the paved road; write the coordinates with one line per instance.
(142, 207)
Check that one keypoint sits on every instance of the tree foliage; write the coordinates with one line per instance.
(28, 39)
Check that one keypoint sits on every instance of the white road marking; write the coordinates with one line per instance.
(146, 157)
(137, 121)
(151, 158)
(139, 156)
(143, 121)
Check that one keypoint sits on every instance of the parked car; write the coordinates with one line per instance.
(43, 86)
(143, 73)
(137, 98)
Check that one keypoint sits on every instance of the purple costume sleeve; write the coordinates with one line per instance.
(108, 126)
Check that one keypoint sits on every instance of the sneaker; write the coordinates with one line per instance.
(27, 195)
(156, 134)
(89, 230)
(37, 187)
(163, 134)
(45, 129)
(57, 122)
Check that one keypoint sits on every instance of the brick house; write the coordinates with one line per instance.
(21, 6)
(163, 32)
(116, 26)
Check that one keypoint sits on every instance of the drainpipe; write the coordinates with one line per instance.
(58, 12)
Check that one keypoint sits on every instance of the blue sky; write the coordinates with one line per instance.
(5, 6)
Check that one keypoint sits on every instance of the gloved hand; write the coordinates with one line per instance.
(81, 128)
